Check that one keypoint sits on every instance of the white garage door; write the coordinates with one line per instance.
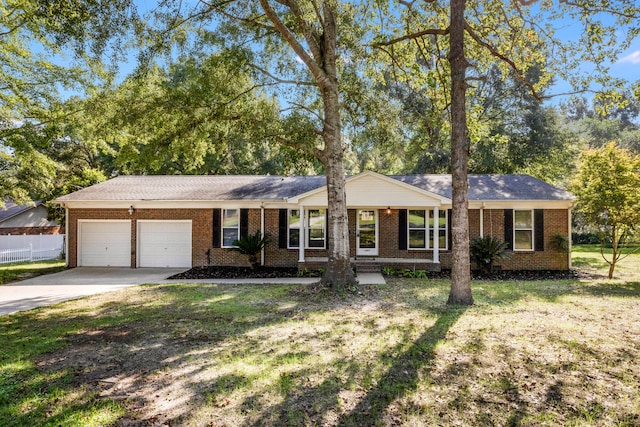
(104, 243)
(164, 243)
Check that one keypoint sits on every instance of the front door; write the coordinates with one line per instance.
(367, 232)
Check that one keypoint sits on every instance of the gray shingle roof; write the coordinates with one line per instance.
(242, 187)
(11, 209)
(203, 188)
(490, 187)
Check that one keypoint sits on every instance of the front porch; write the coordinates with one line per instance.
(374, 264)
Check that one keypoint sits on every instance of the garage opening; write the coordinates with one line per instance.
(164, 244)
(104, 243)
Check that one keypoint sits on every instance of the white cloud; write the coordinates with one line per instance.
(632, 58)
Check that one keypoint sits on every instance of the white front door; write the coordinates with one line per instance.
(367, 232)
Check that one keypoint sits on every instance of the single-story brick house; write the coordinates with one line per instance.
(26, 219)
(185, 221)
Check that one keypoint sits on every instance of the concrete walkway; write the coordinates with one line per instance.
(75, 283)
(82, 281)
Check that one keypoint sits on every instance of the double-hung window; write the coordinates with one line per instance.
(294, 223)
(523, 230)
(424, 227)
(230, 227)
(316, 220)
(439, 228)
(418, 231)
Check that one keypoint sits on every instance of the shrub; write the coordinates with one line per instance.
(487, 250)
(252, 245)
(560, 242)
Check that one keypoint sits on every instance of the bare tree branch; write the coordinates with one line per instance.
(431, 31)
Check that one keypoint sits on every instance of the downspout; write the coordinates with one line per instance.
(569, 228)
(66, 236)
(262, 232)
(482, 220)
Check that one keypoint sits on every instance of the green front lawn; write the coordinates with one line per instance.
(589, 259)
(24, 270)
(528, 353)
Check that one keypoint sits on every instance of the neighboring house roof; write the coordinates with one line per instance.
(274, 188)
(12, 210)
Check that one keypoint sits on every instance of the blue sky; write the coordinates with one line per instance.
(627, 66)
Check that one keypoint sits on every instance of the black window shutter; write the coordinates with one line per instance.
(449, 236)
(508, 228)
(244, 223)
(538, 226)
(282, 228)
(402, 229)
(217, 231)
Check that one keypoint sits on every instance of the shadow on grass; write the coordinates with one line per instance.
(404, 373)
(116, 348)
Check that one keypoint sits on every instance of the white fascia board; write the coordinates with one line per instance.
(521, 204)
(162, 204)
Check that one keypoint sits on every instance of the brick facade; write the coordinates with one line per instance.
(555, 222)
(15, 231)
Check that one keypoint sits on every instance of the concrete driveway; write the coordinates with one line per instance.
(75, 283)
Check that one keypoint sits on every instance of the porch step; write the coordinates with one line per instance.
(368, 267)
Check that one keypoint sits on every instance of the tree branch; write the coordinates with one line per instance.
(279, 80)
(504, 58)
(431, 31)
(308, 150)
(316, 70)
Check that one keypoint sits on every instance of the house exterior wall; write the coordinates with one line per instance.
(32, 221)
(555, 221)
(201, 228)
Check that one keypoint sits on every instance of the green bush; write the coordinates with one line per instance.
(485, 251)
(560, 242)
(252, 245)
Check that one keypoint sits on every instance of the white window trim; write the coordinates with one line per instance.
(446, 229)
(289, 228)
(524, 229)
(222, 227)
(308, 228)
(430, 231)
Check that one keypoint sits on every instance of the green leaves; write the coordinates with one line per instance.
(607, 186)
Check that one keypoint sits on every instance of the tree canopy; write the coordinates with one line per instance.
(607, 185)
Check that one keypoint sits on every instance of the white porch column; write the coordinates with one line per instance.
(262, 232)
(436, 235)
(303, 235)
(482, 221)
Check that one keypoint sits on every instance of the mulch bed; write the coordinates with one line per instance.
(216, 272)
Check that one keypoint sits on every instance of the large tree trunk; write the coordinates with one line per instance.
(460, 268)
(338, 273)
(322, 65)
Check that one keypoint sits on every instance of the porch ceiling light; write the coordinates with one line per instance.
(388, 210)
(131, 210)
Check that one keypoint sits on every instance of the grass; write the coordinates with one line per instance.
(24, 270)
(527, 353)
(589, 259)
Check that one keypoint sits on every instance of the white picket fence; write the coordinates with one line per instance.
(30, 247)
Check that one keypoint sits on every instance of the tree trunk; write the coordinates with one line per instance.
(461, 266)
(338, 274)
